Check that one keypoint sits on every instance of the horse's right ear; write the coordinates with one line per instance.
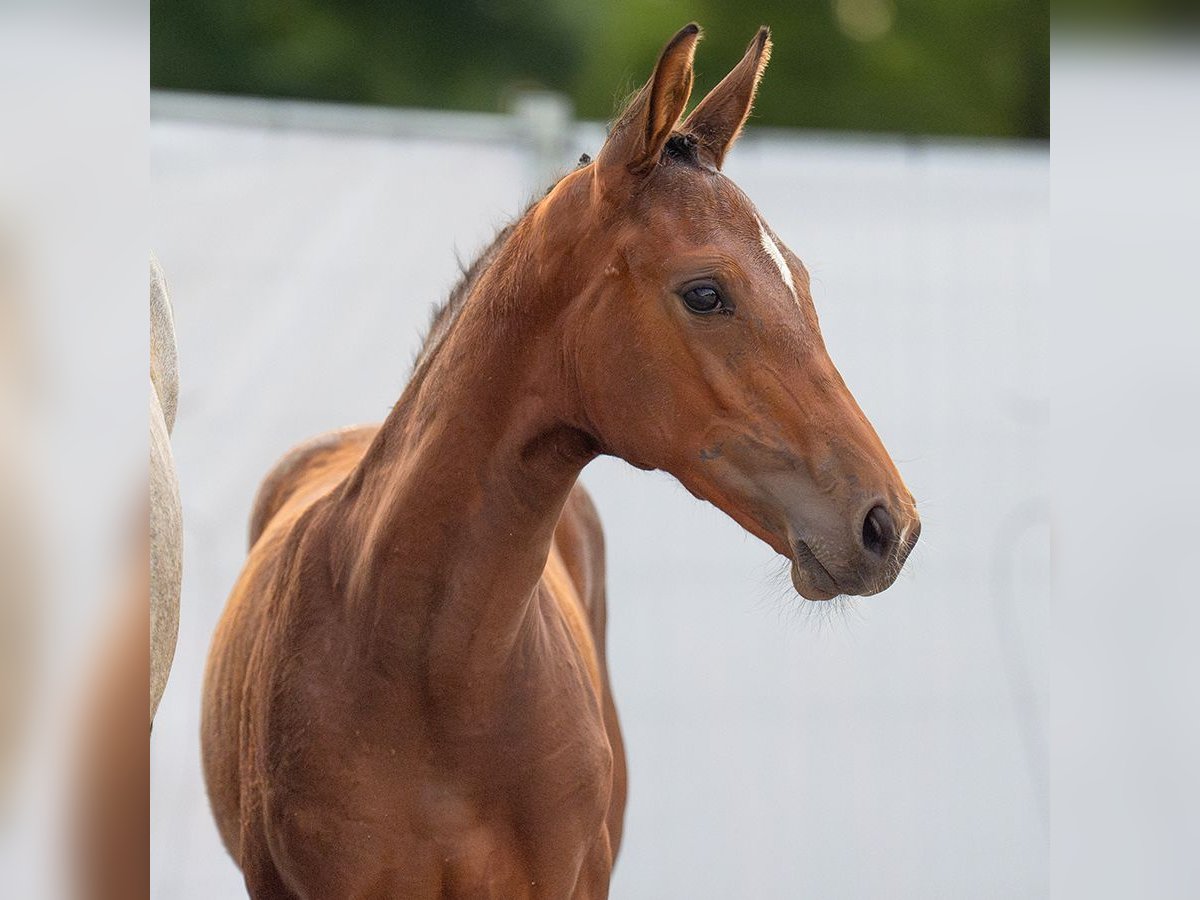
(718, 119)
(637, 139)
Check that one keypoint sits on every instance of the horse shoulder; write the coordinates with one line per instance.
(240, 659)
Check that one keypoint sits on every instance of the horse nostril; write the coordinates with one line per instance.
(878, 531)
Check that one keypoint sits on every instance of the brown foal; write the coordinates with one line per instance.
(407, 695)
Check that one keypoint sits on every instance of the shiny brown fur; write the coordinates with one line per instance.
(407, 695)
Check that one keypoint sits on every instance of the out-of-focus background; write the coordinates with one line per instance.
(950, 67)
(892, 747)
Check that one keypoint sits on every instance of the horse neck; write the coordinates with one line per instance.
(450, 515)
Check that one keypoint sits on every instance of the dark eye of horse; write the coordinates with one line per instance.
(704, 299)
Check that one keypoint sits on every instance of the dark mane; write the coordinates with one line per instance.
(447, 311)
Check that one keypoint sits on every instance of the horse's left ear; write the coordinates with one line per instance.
(719, 118)
(637, 140)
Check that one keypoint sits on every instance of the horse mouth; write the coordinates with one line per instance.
(810, 578)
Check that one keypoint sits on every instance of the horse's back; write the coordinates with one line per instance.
(307, 472)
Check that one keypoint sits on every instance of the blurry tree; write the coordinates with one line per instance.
(958, 67)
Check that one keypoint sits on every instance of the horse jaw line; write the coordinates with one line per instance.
(773, 251)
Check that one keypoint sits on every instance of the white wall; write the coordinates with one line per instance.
(894, 749)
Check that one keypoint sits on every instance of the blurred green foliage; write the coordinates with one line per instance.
(956, 67)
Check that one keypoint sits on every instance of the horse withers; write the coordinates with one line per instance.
(407, 694)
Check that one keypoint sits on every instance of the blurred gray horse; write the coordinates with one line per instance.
(166, 523)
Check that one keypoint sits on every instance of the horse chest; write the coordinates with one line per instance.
(543, 750)
(511, 810)
(538, 830)
(529, 792)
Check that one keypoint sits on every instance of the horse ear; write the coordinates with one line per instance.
(637, 139)
(718, 120)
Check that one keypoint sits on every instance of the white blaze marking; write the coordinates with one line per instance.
(776, 255)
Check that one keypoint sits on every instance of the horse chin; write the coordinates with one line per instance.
(811, 585)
